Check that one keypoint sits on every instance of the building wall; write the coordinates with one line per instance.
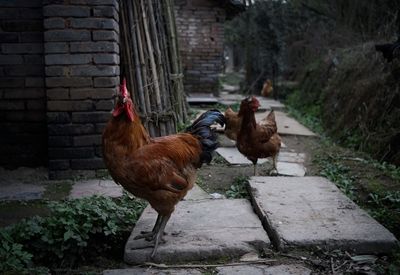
(82, 76)
(23, 132)
(200, 29)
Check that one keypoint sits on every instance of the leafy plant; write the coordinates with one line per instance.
(238, 189)
(75, 230)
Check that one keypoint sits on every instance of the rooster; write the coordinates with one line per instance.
(160, 170)
(257, 140)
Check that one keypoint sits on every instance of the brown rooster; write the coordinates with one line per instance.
(257, 140)
(160, 170)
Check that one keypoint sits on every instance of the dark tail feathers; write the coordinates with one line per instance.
(201, 128)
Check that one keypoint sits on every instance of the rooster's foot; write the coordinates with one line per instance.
(273, 172)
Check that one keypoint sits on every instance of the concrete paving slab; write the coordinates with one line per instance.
(287, 125)
(230, 88)
(201, 230)
(291, 169)
(311, 211)
(92, 187)
(197, 193)
(16, 191)
(270, 104)
(294, 269)
(197, 98)
(152, 271)
(291, 157)
(233, 156)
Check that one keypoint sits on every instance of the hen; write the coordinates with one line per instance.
(232, 125)
(160, 170)
(257, 140)
(267, 88)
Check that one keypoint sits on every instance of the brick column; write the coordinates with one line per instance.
(82, 75)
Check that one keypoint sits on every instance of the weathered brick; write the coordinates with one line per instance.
(94, 23)
(98, 70)
(24, 48)
(70, 129)
(87, 117)
(67, 35)
(87, 140)
(24, 93)
(31, 13)
(92, 93)
(68, 81)
(60, 141)
(23, 70)
(56, 47)
(32, 104)
(68, 59)
(35, 59)
(7, 82)
(95, 163)
(22, 25)
(8, 37)
(57, 71)
(58, 93)
(31, 37)
(59, 164)
(69, 105)
(11, 105)
(58, 117)
(105, 36)
(102, 46)
(99, 127)
(106, 81)
(69, 153)
(96, 2)
(21, 3)
(11, 59)
(66, 11)
(105, 105)
(105, 12)
(34, 82)
(106, 59)
(54, 23)
(25, 116)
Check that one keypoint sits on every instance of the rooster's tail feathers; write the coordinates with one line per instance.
(201, 128)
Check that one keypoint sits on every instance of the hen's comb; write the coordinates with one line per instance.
(123, 90)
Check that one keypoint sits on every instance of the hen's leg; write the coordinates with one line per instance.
(255, 165)
(158, 237)
(150, 235)
(274, 170)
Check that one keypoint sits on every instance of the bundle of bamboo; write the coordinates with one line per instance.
(150, 62)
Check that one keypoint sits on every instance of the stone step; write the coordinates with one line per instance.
(201, 230)
(312, 211)
(258, 269)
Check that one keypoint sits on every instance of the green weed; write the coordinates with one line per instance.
(238, 189)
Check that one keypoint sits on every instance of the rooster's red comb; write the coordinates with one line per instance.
(123, 90)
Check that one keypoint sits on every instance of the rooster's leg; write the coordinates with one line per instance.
(158, 237)
(255, 166)
(150, 235)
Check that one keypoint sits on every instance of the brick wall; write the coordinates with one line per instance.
(200, 29)
(82, 75)
(23, 133)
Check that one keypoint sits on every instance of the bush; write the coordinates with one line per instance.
(74, 232)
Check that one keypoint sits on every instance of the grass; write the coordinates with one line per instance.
(238, 189)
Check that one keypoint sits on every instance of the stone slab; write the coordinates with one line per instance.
(311, 211)
(294, 269)
(17, 191)
(92, 187)
(197, 193)
(201, 230)
(152, 271)
(233, 156)
(270, 104)
(230, 88)
(200, 98)
(287, 125)
(291, 169)
(258, 269)
(291, 157)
